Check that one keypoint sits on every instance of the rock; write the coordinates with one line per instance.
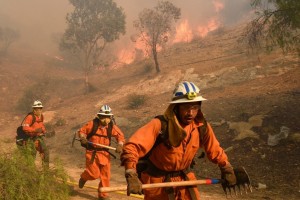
(261, 186)
(229, 149)
(295, 137)
(273, 140)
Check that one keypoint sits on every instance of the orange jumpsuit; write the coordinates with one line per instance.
(30, 131)
(174, 159)
(100, 167)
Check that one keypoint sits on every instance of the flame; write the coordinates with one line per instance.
(211, 25)
(183, 32)
(126, 56)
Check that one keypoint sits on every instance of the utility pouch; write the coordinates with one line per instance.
(21, 137)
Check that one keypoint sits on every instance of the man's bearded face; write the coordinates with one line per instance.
(104, 120)
(188, 112)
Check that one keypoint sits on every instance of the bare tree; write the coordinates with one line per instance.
(91, 26)
(7, 37)
(155, 26)
(277, 24)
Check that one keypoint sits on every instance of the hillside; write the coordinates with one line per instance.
(250, 97)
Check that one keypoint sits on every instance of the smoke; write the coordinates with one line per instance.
(38, 20)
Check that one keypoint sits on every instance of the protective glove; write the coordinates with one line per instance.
(83, 141)
(134, 185)
(119, 148)
(227, 174)
(38, 130)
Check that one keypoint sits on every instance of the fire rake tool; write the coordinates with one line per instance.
(91, 143)
(241, 174)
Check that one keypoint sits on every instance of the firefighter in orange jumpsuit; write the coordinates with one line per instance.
(98, 158)
(34, 127)
(170, 159)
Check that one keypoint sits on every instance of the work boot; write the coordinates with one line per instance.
(81, 183)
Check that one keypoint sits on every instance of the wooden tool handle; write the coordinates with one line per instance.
(166, 184)
(104, 146)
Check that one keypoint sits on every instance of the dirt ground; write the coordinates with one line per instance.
(251, 99)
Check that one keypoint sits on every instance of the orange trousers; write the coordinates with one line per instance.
(181, 193)
(95, 170)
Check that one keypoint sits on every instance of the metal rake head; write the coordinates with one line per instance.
(242, 180)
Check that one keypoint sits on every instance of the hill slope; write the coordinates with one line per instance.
(249, 98)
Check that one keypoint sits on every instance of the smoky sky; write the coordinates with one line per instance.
(38, 20)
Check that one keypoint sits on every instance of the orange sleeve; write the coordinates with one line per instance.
(30, 128)
(214, 151)
(140, 143)
(26, 124)
(87, 128)
(118, 134)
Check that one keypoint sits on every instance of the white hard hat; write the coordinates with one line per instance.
(37, 104)
(186, 92)
(105, 110)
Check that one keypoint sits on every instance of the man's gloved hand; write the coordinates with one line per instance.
(38, 130)
(83, 141)
(227, 174)
(40, 134)
(119, 148)
(134, 185)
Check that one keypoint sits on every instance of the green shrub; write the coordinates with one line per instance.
(136, 101)
(20, 178)
(148, 67)
(60, 122)
(50, 130)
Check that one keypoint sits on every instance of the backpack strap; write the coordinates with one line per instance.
(163, 136)
(109, 131)
(33, 118)
(202, 131)
(96, 123)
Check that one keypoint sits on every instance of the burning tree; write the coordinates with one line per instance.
(277, 23)
(155, 25)
(91, 26)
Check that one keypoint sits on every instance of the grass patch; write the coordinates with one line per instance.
(136, 101)
(20, 178)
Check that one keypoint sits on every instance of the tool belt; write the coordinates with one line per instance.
(152, 170)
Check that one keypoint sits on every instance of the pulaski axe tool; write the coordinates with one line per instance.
(91, 143)
(241, 174)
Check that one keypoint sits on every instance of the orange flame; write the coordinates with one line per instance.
(183, 32)
(212, 24)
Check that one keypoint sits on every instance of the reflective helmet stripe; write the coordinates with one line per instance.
(186, 87)
(193, 86)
